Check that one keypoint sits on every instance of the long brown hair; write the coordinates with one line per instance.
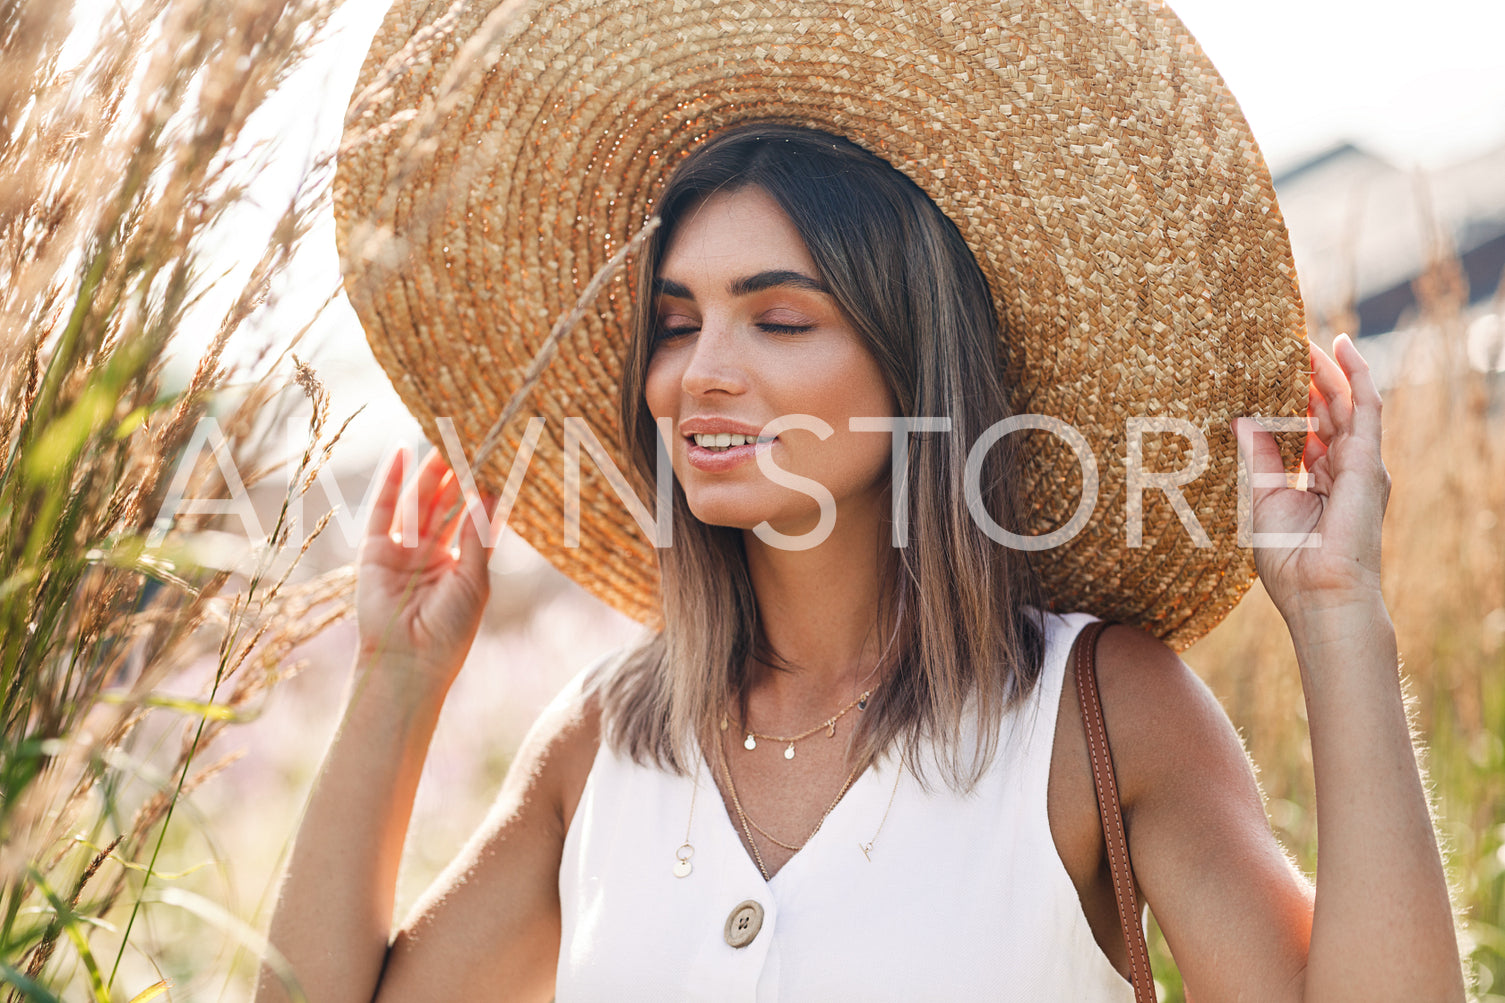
(964, 638)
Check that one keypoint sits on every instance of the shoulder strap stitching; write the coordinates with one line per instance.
(1114, 834)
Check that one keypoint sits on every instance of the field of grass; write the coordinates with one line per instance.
(124, 164)
(1444, 579)
(139, 659)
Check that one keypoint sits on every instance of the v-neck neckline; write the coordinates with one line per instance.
(730, 826)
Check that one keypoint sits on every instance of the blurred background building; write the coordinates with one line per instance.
(1366, 234)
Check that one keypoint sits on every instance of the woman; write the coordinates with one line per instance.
(869, 759)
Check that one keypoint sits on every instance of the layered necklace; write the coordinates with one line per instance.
(787, 741)
(748, 825)
(682, 855)
(686, 850)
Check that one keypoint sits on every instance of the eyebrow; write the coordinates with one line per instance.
(746, 285)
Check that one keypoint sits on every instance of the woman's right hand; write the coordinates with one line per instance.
(422, 583)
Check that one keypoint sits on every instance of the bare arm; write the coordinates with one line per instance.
(1241, 922)
(1383, 925)
(489, 927)
(419, 607)
(334, 913)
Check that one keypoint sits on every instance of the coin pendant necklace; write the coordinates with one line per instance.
(750, 742)
(748, 825)
(686, 850)
(682, 865)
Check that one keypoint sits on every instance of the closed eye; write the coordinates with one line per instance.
(670, 332)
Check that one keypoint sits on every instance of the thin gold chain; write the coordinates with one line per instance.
(741, 815)
(829, 723)
(694, 790)
(686, 850)
(776, 841)
(748, 824)
(867, 848)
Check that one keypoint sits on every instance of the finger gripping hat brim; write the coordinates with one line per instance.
(1102, 174)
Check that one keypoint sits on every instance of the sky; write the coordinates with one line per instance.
(1420, 84)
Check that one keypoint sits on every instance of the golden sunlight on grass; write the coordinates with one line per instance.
(123, 153)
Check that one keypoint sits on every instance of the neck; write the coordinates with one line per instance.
(823, 614)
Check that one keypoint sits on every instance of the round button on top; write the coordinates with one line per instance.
(744, 923)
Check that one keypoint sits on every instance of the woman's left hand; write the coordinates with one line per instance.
(1344, 501)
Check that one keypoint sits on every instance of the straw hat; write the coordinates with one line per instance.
(497, 155)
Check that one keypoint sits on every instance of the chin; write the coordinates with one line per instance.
(726, 512)
(741, 509)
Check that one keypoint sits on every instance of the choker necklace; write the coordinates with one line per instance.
(751, 742)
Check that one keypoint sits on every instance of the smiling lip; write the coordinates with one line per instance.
(710, 425)
(719, 460)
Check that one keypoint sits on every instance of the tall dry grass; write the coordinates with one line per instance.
(125, 153)
(121, 160)
(1444, 581)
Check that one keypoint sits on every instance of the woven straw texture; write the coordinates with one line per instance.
(497, 155)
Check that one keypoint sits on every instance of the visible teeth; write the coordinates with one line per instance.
(726, 440)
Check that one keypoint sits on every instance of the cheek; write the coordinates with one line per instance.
(866, 460)
(661, 386)
(856, 388)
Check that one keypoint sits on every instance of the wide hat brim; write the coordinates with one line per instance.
(1096, 164)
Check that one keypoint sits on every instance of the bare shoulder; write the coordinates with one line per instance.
(1144, 688)
(555, 757)
(1173, 745)
(492, 919)
(1234, 909)
(1155, 709)
(1161, 718)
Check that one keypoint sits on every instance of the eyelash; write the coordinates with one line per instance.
(666, 333)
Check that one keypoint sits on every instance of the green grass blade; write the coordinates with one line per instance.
(31, 990)
(69, 922)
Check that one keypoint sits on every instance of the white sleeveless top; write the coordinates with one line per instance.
(964, 897)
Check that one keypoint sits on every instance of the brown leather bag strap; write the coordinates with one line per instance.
(1114, 834)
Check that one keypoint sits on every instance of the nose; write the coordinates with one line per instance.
(715, 364)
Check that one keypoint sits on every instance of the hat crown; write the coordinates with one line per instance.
(1089, 154)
